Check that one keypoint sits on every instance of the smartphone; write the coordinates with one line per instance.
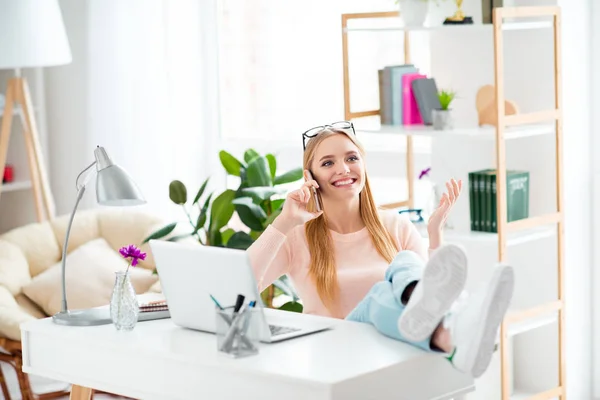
(314, 190)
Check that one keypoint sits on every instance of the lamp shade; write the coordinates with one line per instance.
(114, 186)
(32, 34)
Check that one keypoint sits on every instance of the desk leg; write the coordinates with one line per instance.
(80, 393)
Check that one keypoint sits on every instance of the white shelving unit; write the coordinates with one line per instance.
(507, 26)
(483, 147)
(483, 132)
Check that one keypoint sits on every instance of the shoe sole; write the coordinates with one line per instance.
(443, 281)
(496, 304)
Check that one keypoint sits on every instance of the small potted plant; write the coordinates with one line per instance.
(442, 117)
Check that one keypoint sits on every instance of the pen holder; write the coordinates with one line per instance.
(238, 335)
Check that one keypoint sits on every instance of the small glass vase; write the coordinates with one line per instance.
(124, 307)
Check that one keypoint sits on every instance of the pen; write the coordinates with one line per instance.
(233, 330)
(239, 302)
(247, 320)
(216, 302)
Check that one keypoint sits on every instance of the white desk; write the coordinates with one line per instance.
(159, 361)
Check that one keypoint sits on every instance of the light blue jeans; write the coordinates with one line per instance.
(382, 306)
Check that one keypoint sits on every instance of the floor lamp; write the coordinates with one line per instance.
(32, 35)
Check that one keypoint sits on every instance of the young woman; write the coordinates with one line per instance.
(351, 260)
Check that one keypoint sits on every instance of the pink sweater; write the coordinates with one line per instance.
(359, 265)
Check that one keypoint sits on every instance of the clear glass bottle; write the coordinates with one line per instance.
(124, 307)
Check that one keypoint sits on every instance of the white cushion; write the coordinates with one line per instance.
(90, 277)
(14, 269)
(38, 244)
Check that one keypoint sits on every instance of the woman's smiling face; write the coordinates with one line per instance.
(338, 168)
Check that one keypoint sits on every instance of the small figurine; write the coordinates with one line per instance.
(459, 17)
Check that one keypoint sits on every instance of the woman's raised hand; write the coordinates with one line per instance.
(295, 210)
(438, 218)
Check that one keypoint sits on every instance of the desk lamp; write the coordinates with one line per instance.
(114, 187)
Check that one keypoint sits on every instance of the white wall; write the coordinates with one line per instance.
(596, 195)
(139, 85)
(577, 73)
(68, 110)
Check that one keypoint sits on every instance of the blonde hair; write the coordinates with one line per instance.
(320, 242)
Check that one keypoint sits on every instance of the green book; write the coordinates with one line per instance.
(517, 197)
(478, 203)
(472, 199)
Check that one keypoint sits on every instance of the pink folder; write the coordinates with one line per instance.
(410, 109)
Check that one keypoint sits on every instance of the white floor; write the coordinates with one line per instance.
(40, 385)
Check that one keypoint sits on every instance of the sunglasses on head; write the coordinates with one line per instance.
(345, 126)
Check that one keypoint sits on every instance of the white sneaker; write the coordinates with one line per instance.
(442, 282)
(474, 328)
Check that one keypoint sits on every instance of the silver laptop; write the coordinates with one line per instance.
(189, 274)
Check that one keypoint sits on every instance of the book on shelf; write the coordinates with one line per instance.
(426, 95)
(406, 97)
(483, 198)
(410, 109)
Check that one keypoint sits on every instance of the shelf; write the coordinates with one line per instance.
(525, 395)
(507, 26)
(513, 238)
(532, 323)
(483, 132)
(15, 186)
(529, 325)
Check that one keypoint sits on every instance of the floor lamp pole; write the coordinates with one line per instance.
(18, 94)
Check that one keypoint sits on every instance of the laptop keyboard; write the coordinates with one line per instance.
(280, 330)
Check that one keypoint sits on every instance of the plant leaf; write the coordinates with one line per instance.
(255, 234)
(226, 235)
(231, 164)
(277, 204)
(272, 164)
(177, 192)
(179, 237)
(161, 233)
(202, 217)
(200, 191)
(258, 173)
(215, 238)
(288, 177)
(261, 193)
(250, 155)
(292, 306)
(240, 240)
(221, 211)
(284, 287)
(251, 214)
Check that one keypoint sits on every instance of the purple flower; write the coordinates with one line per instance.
(425, 172)
(133, 253)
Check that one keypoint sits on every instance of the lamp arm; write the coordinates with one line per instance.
(81, 173)
(65, 245)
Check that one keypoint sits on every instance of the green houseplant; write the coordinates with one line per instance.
(257, 201)
(442, 117)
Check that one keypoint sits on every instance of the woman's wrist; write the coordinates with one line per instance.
(283, 224)
(435, 239)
